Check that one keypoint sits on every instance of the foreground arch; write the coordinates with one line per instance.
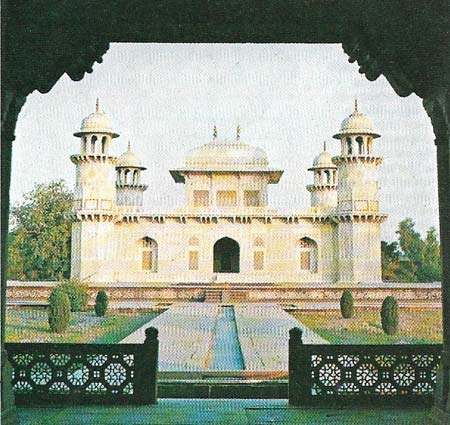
(409, 45)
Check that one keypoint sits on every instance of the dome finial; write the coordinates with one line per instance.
(215, 132)
(324, 146)
(97, 106)
(356, 104)
(129, 146)
(238, 133)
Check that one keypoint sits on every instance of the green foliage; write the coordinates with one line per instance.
(77, 292)
(101, 303)
(412, 259)
(389, 315)
(346, 302)
(431, 266)
(58, 311)
(39, 245)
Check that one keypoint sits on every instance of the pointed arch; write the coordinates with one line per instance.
(307, 248)
(93, 141)
(104, 144)
(226, 256)
(360, 142)
(149, 254)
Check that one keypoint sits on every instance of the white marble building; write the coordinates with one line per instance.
(226, 231)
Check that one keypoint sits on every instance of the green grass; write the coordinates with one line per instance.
(416, 326)
(31, 325)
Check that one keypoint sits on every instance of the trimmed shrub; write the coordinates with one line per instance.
(58, 311)
(389, 315)
(101, 303)
(346, 302)
(77, 292)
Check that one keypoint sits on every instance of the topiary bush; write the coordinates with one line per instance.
(346, 302)
(389, 315)
(58, 311)
(77, 291)
(101, 303)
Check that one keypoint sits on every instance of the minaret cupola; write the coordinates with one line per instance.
(356, 134)
(96, 133)
(128, 180)
(323, 190)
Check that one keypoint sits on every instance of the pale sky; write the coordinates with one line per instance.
(287, 99)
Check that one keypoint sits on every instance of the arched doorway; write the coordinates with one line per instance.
(226, 256)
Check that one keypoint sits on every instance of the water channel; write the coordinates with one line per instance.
(227, 354)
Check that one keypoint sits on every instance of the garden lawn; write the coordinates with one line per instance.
(416, 326)
(31, 325)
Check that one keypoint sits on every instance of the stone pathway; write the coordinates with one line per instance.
(189, 332)
(218, 412)
(263, 331)
(185, 336)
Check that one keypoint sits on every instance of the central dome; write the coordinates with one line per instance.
(227, 155)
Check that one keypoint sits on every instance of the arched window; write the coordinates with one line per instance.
(258, 260)
(149, 255)
(349, 145)
(360, 142)
(93, 140)
(308, 255)
(328, 177)
(125, 176)
(193, 260)
(104, 141)
(369, 145)
(135, 177)
(83, 145)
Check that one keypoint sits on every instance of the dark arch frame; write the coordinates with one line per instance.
(409, 46)
(226, 256)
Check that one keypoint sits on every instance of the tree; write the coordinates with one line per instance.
(39, 246)
(431, 267)
(410, 243)
(58, 311)
(346, 304)
(101, 303)
(390, 256)
(389, 315)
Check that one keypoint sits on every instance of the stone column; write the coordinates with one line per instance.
(439, 111)
(12, 104)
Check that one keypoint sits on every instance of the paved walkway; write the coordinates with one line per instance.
(218, 412)
(185, 336)
(197, 337)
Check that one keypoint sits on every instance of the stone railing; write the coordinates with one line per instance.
(85, 373)
(361, 374)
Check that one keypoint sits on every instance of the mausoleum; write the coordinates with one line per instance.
(226, 231)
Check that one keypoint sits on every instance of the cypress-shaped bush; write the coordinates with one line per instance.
(58, 311)
(101, 303)
(346, 302)
(389, 315)
(77, 293)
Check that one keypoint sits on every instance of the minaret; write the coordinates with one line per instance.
(357, 212)
(323, 190)
(129, 188)
(94, 206)
(95, 189)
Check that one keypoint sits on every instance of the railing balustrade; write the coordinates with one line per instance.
(85, 373)
(328, 375)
